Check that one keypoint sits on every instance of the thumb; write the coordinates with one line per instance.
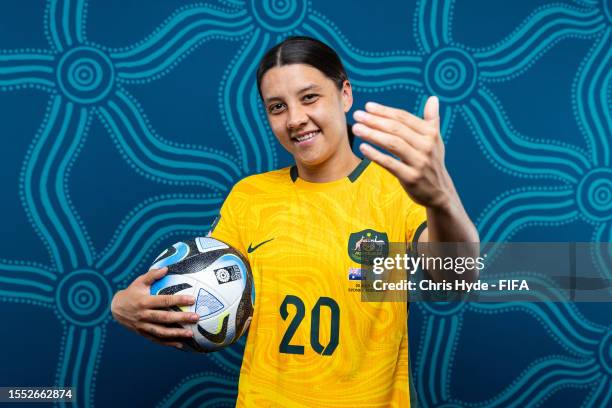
(431, 113)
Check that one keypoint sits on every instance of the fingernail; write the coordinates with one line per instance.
(372, 105)
(190, 299)
(188, 333)
(195, 317)
(360, 115)
(358, 128)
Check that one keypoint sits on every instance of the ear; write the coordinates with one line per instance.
(347, 95)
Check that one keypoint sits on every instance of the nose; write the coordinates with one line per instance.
(296, 118)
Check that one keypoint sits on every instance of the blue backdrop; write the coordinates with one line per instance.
(125, 123)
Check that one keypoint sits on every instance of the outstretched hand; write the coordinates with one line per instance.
(417, 146)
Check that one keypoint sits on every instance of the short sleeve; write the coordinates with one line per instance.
(416, 222)
(229, 226)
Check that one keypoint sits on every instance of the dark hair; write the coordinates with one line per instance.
(309, 51)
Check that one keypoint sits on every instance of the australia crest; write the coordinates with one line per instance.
(364, 246)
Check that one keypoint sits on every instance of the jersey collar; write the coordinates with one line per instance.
(353, 176)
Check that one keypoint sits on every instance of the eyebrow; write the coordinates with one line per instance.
(306, 88)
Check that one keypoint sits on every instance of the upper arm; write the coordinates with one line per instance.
(424, 237)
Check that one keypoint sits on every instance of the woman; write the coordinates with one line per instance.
(313, 341)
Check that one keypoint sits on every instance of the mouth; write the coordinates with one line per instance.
(305, 137)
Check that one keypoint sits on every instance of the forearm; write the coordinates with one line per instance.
(450, 232)
(450, 223)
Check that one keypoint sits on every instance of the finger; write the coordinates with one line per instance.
(412, 121)
(391, 143)
(431, 112)
(170, 343)
(391, 126)
(400, 170)
(153, 274)
(165, 301)
(164, 332)
(161, 316)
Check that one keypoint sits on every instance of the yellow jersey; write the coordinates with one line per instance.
(312, 341)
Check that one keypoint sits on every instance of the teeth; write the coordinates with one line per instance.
(307, 136)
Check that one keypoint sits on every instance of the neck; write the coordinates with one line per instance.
(334, 168)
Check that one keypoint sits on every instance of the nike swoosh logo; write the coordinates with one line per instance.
(218, 337)
(251, 249)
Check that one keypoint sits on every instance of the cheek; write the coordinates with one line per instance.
(331, 120)
(278, 129)
(275, 125)
(322, 117)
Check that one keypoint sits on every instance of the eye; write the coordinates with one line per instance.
(276, 108)
(310, 98)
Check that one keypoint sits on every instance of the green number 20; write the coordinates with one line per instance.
(315, 314)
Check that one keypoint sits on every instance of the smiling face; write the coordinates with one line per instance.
(306, 111)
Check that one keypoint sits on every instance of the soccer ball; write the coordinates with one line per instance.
(220, 280)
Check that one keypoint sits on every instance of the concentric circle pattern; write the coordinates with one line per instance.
(172, 60)
(594, 194)
(85, 75)
(83, 297)
(279, 15)
(450, 73)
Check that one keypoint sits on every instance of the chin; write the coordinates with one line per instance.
(315, 155)
(310, 160)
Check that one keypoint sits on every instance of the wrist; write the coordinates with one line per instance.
(446, 204)
(447, 200)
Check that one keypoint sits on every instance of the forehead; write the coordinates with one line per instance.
(291, 79)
